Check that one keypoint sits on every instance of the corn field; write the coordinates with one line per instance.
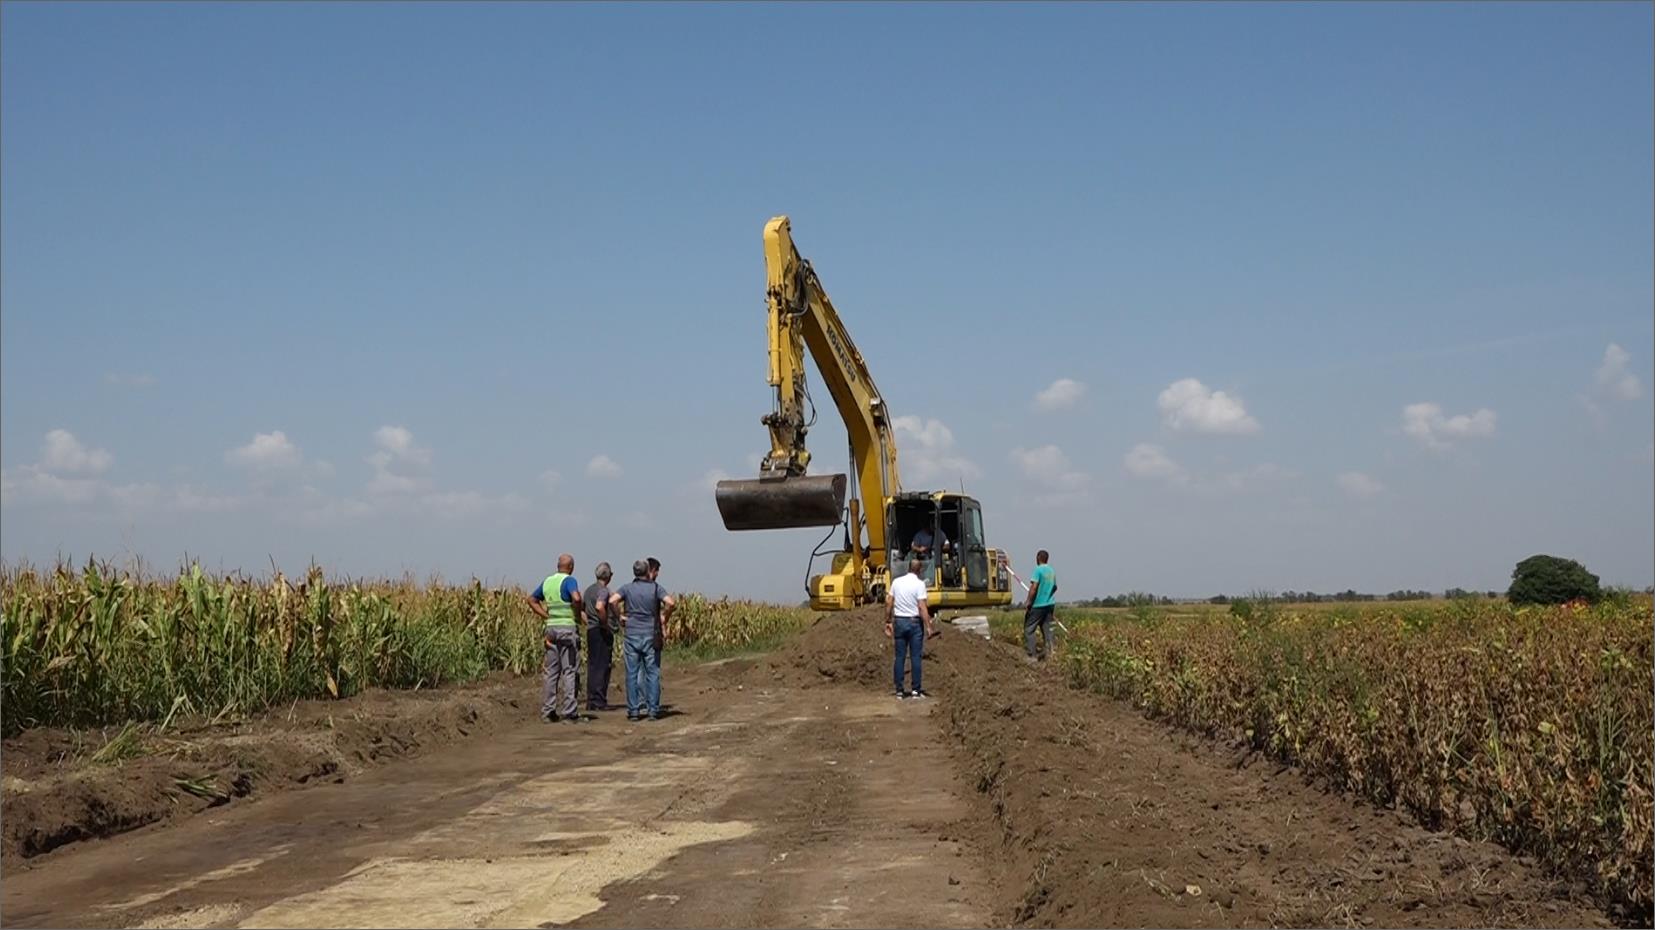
(99, 646)
(1528, 726)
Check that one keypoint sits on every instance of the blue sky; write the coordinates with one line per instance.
(1200, 297)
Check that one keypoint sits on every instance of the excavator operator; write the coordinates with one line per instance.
(923, 542)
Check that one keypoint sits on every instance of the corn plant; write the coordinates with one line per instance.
(1531, 726)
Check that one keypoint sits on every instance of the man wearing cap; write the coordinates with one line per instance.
(647, 608)
(557, 602)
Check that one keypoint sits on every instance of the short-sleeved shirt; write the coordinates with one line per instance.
(1045, 582)
(566, 593)
(597, 593)
(906, 594)
(643, 605)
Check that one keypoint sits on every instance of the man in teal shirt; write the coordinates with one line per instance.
(1039, 609)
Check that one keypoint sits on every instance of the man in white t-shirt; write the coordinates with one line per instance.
(907, 619)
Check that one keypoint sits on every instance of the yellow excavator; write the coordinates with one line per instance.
(885, 526)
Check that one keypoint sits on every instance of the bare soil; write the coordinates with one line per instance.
(790, 790)
(55, 793)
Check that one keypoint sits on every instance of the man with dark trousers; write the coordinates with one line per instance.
(601, 624)
(1040, 608)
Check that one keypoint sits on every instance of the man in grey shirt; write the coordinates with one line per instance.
(647, 607)
(601, 624)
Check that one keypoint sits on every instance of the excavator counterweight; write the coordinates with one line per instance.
(781, 503)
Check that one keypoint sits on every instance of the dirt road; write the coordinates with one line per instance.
(792, 791)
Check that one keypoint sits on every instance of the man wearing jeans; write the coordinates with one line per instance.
(1040, 607)
(907, 617)
(648, 608)
(557, 601)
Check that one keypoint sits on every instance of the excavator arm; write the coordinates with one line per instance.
(801, 317)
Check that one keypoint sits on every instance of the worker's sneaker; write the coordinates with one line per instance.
(920, 695)
(900, 695)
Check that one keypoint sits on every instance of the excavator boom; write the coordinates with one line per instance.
(801, 317)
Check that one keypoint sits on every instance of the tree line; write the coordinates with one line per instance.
(1538, 579)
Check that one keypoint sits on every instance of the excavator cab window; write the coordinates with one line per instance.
(973, 548)
(950, 567)
(908, 517)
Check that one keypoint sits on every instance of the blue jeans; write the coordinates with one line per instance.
(909, 634)
(643, 675)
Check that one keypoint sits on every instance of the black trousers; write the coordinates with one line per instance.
(600, 658)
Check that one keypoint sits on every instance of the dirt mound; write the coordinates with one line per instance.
(1102, 818)
(56, 792)
(843, 648)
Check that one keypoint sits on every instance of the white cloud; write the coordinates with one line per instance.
(711, 478)
(397, 444)
(328, 512)
(63, 454)
(67, 473)
(134, 496)
(1613, 378)
(1147, 460)
(189, 499)
(1187, 404)
(456, 504)
(928, 453)
(1271, 470)
(267, 452)
(44, 483)
(1064, 392)
(33, 483)
(1426, 423)
(386, 482)
(118, 379)
(1054, 477)
(1593, 410)
(549, 479)
(1359, 484)
(602, 466)
(1267, 471)
(399, 463)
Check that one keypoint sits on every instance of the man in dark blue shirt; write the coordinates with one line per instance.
(924, 542)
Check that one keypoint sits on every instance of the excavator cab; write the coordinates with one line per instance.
(956, 558)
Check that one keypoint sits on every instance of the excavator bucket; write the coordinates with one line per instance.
(781, 503)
